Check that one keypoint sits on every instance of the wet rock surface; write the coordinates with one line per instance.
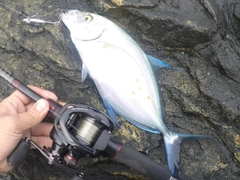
(200, 36)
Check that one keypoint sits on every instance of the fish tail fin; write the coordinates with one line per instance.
(172, 144)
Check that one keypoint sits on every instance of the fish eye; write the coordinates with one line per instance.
(88, 18)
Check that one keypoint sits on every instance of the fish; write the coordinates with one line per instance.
(125, 77)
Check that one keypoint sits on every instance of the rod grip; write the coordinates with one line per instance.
(138, 161)
(25, 90)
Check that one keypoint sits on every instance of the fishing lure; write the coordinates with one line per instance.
(32, 20)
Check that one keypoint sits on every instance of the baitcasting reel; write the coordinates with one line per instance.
(79, 131)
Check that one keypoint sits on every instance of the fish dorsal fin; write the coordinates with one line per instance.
(157, 63)
(84, 72)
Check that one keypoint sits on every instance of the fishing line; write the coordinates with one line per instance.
(29, 19)
(14, 10)
(7, 77)
(54, 113)
(32, 19)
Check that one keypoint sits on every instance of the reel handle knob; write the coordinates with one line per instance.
(17, 157)
(76, 177)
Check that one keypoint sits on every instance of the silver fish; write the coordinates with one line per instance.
(123, 75)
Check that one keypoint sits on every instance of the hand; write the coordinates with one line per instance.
(20, 118)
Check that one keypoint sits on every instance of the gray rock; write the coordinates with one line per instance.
(200, 36)
(135, 3)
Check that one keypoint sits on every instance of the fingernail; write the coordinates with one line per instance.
(41, 105)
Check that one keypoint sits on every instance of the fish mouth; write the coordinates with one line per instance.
(93, 39)
(61, 15)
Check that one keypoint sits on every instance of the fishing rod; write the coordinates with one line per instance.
(80, 130)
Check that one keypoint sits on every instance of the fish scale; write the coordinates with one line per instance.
(124, 76)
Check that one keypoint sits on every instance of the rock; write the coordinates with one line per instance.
(200, 36)
(135, 3)
(237, 11)
(178, 24)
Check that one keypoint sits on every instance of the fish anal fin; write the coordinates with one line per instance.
(111, 112)
(84, 72)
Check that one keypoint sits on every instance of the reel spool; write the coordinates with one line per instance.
(80, 130)
(88, 131)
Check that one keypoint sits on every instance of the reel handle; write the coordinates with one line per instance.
(138, 161)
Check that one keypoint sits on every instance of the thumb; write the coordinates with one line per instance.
(33, 116)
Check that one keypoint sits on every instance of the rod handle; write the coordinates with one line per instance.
(138, 161)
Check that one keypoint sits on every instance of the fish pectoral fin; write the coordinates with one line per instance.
(111, 112)
(84, 72)
(157, 63)
(172, 144)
